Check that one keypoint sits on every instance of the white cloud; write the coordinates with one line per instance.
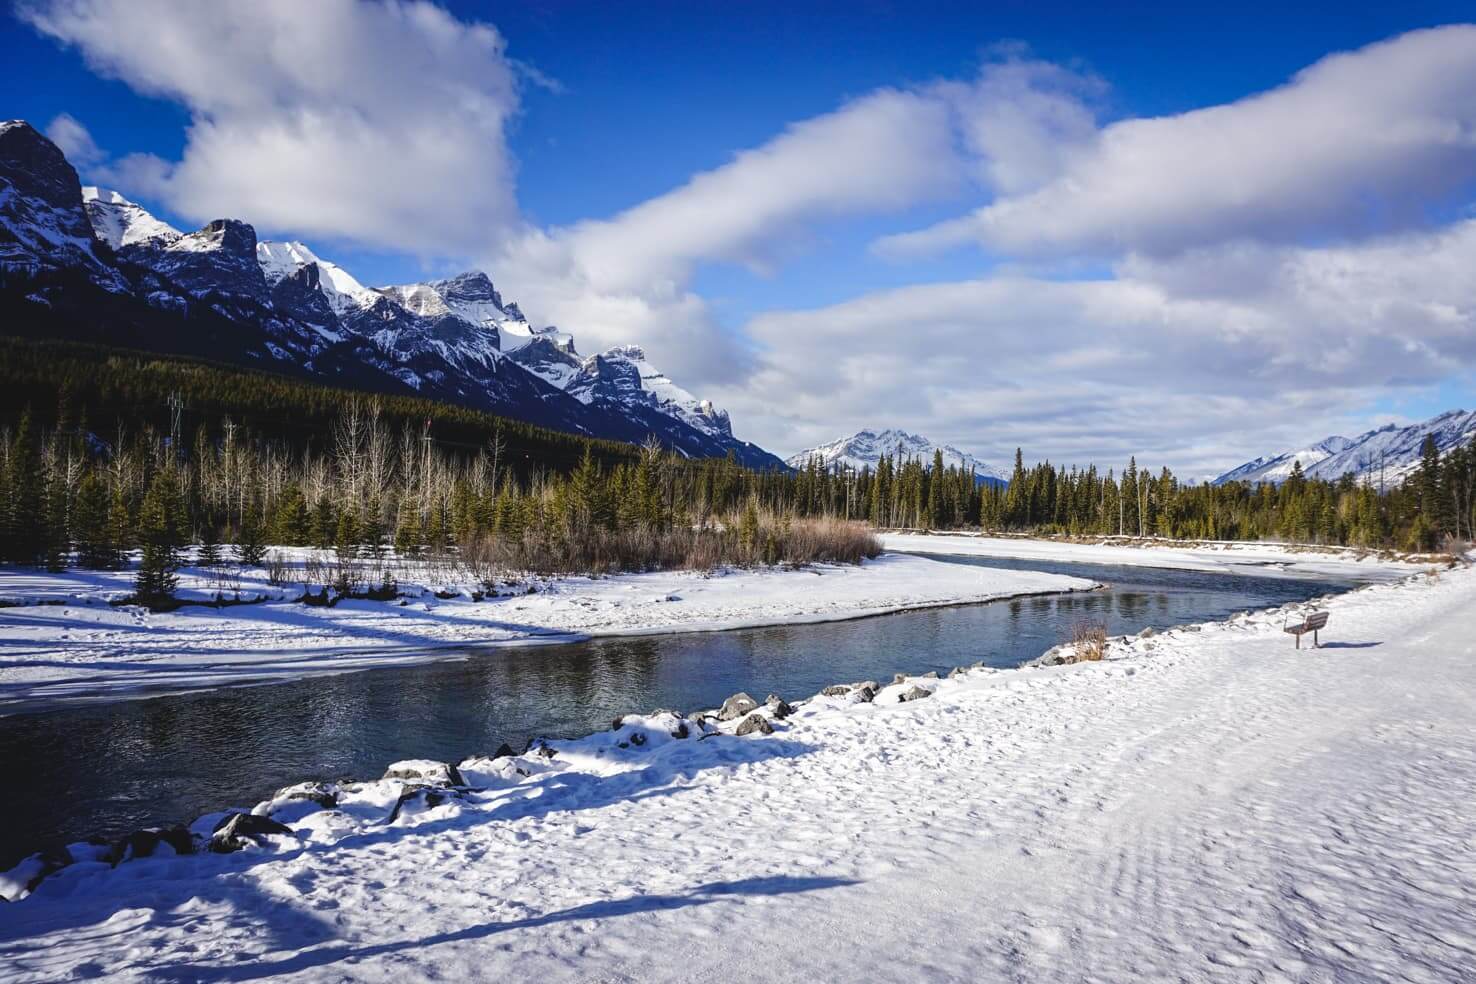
(625, 279)
(1161, 361)
(1359, 143)
(72, 137)
(380, 123)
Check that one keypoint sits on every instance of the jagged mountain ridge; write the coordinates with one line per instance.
(1384, 455)
(865, 449)
(220, 293)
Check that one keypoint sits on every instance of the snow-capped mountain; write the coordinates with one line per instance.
(1276, 468)
(219, 292)
(119, 222)
(866, 448)
(43, 226)
(1385, 455)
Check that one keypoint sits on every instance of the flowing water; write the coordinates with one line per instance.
(106, 770)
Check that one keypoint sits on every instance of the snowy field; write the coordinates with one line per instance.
(1225, 557)
(1207, 804)
(77, 646)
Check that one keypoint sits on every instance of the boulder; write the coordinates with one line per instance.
(914, 693)
(779, 707)
(426, 771)
(752, 723)
(899, 678)
(1147, 633)
(22, 880)
(503, 751)
(421, 796)
(865, 694)
(838, 690)
(681, 730)
(956, 672)
(736, 706)
(237, 830)
(143, 844)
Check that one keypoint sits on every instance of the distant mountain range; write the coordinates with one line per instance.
(1386, 455)
(90, 265)
(866, 448)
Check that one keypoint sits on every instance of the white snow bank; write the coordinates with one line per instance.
(78, 647)
(1207, 804)
(1228, 557)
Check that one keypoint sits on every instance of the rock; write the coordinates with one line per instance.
(838, 690)
(930, 675)
(312, 792)
(752, 723)
(865, 694)
(427, 771)
(237, 830)
(1147, 633)
(544, 751)
(618, 723)
(914, 693)
(899, 678)
(956, 672)
(779, 707)
(22, 880)
(681, 730)
(736, 706)
(503, 751)
(143, 844)
(421, 796)
(638, 739)
(872, 684)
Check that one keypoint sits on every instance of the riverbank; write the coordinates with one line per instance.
(1207, 803)
(65, 642)
(1221, 556)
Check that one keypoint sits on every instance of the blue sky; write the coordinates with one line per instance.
(606, 107)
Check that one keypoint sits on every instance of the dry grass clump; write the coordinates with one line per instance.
(1089, 640)
(747, 539)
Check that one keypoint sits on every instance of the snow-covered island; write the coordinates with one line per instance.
(1206, 803)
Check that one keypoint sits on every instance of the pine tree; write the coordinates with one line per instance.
(121, 536)
(24, 519)
(95, 549)
(157, 525)
(250, 544)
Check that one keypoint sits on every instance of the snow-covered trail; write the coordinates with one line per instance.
(1204, 805)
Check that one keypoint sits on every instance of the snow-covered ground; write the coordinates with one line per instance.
(1207, 804)
(1220, 556)
(77, 646)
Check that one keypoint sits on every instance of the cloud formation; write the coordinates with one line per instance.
(1189, 361)
(1359, 143)
(380, 123)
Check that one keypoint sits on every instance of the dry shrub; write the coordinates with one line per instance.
(1089, 640)
(765, 538)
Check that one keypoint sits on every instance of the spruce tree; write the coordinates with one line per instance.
(90, 524)
(160, 536)
(24, 519)
(250, 545)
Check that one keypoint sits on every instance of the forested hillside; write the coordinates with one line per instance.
(106, 451)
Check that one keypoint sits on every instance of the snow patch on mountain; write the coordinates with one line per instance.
(865, 449)
(120, 222)
(1386, 455)
(344, 293)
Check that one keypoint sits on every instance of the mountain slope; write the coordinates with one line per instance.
(218, 292)
(1385, 455)
(865, 449)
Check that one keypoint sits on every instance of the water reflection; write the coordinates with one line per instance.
(111, 769)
